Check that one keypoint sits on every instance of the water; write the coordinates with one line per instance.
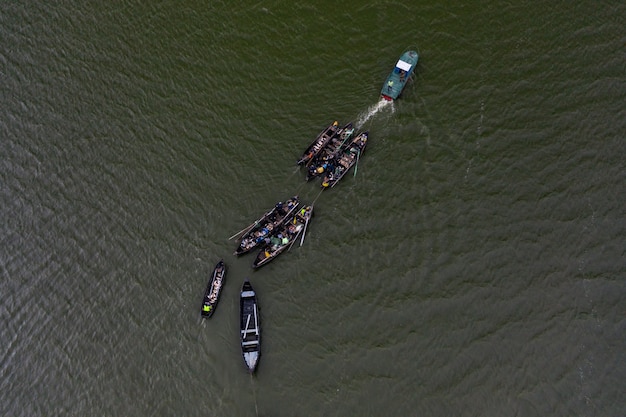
(382, 107)
(473, 266)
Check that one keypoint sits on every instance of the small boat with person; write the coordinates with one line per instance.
(323, 161)
(250, 329)
(213, 289)
(255, 235)
(318, 144)
(345, 160)
(285, 236)
(399, 76)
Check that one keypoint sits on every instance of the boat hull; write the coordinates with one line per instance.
(318, 144)
(250, 329)
(399, 76)
(213, 290)
(323, 161)
(284, 237)
(346, 160)
(255, 236)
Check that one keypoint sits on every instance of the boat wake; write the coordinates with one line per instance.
(256, 404)
(373, 110)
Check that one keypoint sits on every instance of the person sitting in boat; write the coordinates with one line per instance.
(402, 74)
(302, 214)
(389, 85)
(261, 234)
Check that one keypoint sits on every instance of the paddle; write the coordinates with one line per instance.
(249, 227)
(306, 223)
(296, 237)
(293, 241)
(243, 230)
(344, 141)
(356, 166)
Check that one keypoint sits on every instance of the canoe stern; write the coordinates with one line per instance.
(251, 359)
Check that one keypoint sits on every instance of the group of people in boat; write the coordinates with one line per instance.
(321, 142)
(324, 165)
(289, 232)
(325, 161)
(344, 161)
(257, 237)
(216, 286)
(402, 79)
(260, 235)
(302, 215)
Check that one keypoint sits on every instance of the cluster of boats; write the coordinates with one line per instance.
(333, 153)
(271, 234)
(249, 318)
(275, 231)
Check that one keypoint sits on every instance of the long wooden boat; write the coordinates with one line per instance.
(284, 237)
(346, 160)
(399, 76)
(323, 161)
(213, 289)
(320, 141)
(250, 328)
(256, 234)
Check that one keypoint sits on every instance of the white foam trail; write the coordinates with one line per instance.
(372, 111)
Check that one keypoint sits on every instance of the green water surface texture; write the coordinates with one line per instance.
(473, 266)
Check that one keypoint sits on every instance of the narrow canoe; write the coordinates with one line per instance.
(346, 160)
(213, 290)
(318, 144)
(256, 234)
(284, 237)
(318, 165)
(250, 329)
